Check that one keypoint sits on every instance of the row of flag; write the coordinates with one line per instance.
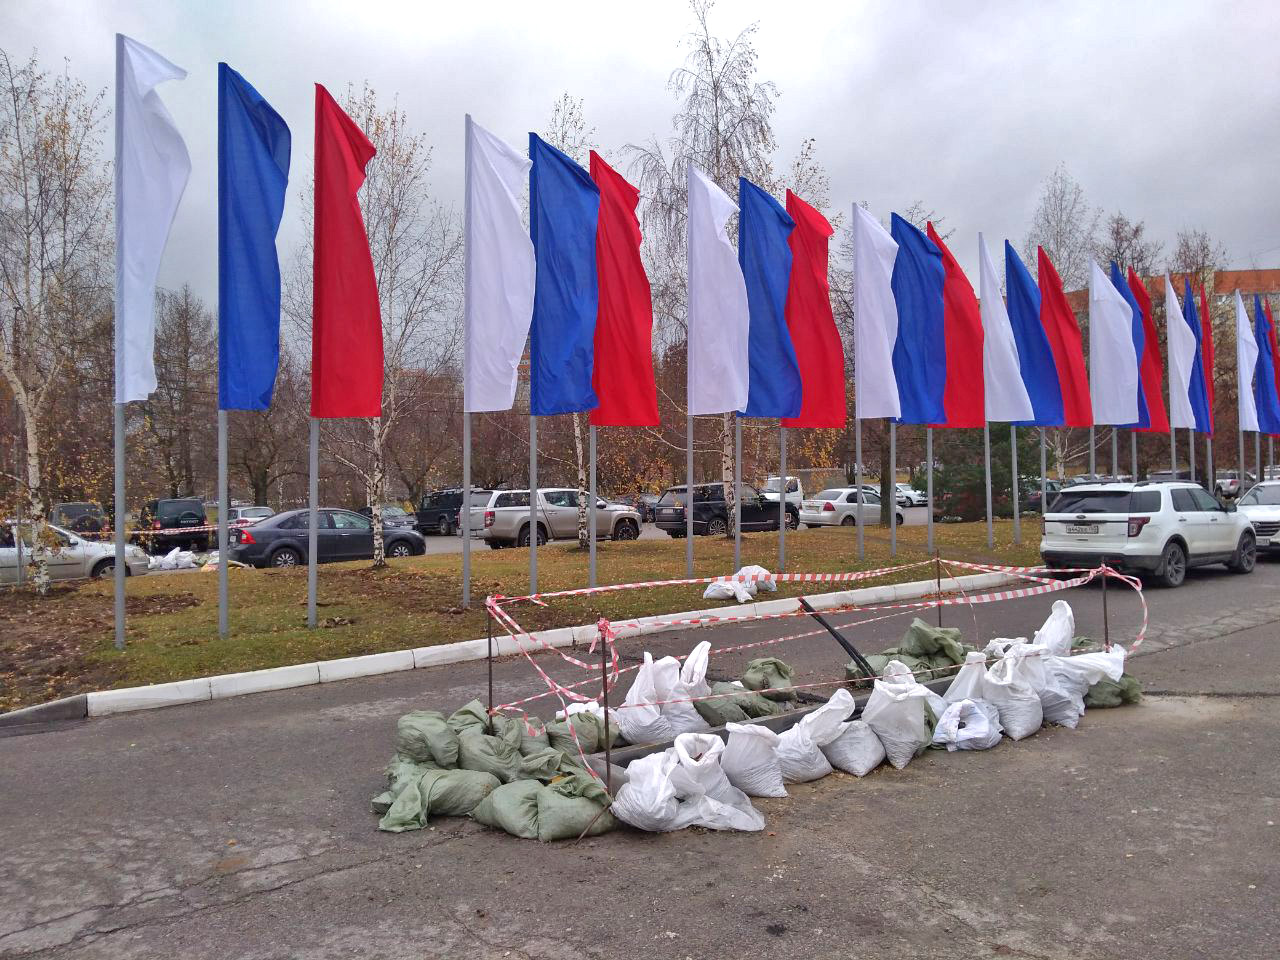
(762, 340)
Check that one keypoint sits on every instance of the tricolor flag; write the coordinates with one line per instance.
(1005, 395)
(875, 318)
(1068, 347)
(1113, 361)
(919, 354)
(764, 255)
(962, 322)
(1151, 369)
(1035, 355)
(819, 352)
(1246, 363)
(1198, 392)
(564, 212)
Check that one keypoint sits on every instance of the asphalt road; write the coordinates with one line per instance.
(240, 828)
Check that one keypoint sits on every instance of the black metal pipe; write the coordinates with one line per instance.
(849, 648)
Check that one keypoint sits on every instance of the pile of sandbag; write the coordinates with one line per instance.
(903, 713)
(930, 653)
(731, 588)
(660, 704)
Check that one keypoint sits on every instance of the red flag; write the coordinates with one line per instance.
(1206, 351)
(346, 335)
(1151, 371)
(963, 400)
(809, 321)
(1068, 349)
(1271, 326)
(622, 373)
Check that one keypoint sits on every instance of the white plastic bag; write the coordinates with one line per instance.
(672, 694)
(641, 720)
(717, 804)
(648, 799)
(1058, 631)
(856, 750)
(743, 591)
(902, 713)
(800, 747)
(1068, 679)
(1013, 686)
(969, 680)
(694, 672)
(968, 725)
(750, 760)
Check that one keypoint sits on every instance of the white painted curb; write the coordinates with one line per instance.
(107, 702)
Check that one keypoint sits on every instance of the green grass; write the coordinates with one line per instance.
(415, 602)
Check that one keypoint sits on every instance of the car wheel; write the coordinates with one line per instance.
(444, 527)
(286, 557)
(848, 521)
(1173, 566)
(103, 569)
(626, 530)
(400, 549)
(900, 519)
(1246, 555)
(524, 537)
(793, 521)
(717, 527)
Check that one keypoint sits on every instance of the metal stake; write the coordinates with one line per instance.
(1106, 622)
(937, 574)
(604, 698)
(488, 626)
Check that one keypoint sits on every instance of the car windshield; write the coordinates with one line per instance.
(1094, 501)
(1262, 497)
(392, 511)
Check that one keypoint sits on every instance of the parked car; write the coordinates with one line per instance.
(181, 519)
(1227, 483)
(80, 517)
(393, 515)
(438, 511)
(643, 504)
(506, 522)
(1155, 529)
(243, 516)
(481, 500)
(710, 511)
(1261, 504)
(909, 496)
(71, 556)
(795, 490)
(1168, 476)
(281, 540)
(1031, 492)
(838, 507)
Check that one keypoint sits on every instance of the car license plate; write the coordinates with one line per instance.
(1082, 528)
(1264, 541)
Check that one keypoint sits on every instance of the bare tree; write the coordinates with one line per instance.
(1126, 242)
(1197, 254)
(268, 444)
(1066, 226)
(54, 250)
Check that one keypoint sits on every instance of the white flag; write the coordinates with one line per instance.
(499, 272)
(718, 320)
(152, 168)
(1182, 360)
(1246, 361)
(875, 318)
(1113, 361)
(1006, 394)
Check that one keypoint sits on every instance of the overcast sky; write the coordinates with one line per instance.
(1163, 110)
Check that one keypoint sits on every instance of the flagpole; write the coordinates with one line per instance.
(1271, 457)
(1257, 454)
(591, 508)
(1240, 475)
(1093, 467)
(1191, 452)
(1133, 452)
(119, 571)
(1013, 457)
(313, 517)
(1044, 479)
(928, 454)
(1173, 452)
(1115, 454)
(224, 505)
(533, 500)
(466, 414)
(857, 479)
(893, 483)
(782, 499)
(986, 464)
(1208, 463)
(737, 493)
(688, 499)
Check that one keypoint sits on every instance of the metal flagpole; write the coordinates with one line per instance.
(1115, 453)
(224, 505)
(1208, 463)
(1044, 476)
(1013, 462)
(928, 454)
(857, 478)
(1173, 452)
(1093, 467)
(466, 507)
(737, 493)
(313, 518)
(1271, 458)
(782, 499)
(533, 503)
(688, 500)
(591, 507)
(893, 485)
(1191, 452)
(119, 570)
(1257, 455)
(1240, 475)
(1133, 451)
(986, 463)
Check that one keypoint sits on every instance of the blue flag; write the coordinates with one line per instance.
(1199, 394)
(765, 258)
(253, 171)
(1139, 343)
(1265, 396)
(564, 209)
(1035, 356)
(920, 352)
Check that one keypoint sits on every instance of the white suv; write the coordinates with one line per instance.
(1262, 506)
(1159, 529)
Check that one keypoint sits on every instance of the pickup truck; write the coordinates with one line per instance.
(505, 521)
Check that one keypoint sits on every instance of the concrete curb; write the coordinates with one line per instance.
(106, 702)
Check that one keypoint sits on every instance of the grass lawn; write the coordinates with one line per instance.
(62, 644)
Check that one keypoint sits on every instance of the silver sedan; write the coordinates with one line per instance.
(837, 508)
(71, 557)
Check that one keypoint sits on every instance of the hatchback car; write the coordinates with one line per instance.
(1155, 529)
(1261, 504)
(393, 515)
(71, 556)
(243, 516)
(281, 541)
(838, 507)
(710, 511)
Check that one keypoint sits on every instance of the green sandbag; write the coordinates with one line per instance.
(425, 735)
(720, 710)
(735, 704)
(531, 743)
(590, 734)
(471, 717)
(571, 805)
(769, 673)
(512, 807)
(925, 641)
(400, 771)
(1113, 693)
(479, 751)
(441, 793)
(546, 764)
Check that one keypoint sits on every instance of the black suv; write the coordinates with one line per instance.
(78, 517)
(174, 517)
(711, 514)
(438, 511)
